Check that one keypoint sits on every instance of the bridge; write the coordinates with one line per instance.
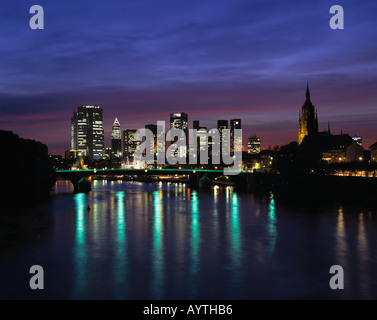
(81, 179)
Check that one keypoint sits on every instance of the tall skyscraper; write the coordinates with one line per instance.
(87, 135)
(253, 144)
(221, 126)
(180, 121)
(201, 141)
(308, 120)
(130, 143)
(235, 124)
(153, 144)
(116, 139)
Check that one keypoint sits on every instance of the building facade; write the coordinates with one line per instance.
(116, 139)
(130, 143)
(253, 144)
(235, 124)
(180, 121)
(87, 134)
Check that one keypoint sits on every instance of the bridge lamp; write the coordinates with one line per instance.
(194, 171)
(146, 170)
(95, 170)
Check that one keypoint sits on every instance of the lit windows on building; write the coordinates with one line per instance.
(87, 134)
(253, 144)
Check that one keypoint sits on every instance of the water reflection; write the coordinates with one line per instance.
(235, 241)
(158, 253)
(195, 239)
(363, 252)
(80, 246)
(121, 247)
(341, 243)
(136, 242)
(271, 226)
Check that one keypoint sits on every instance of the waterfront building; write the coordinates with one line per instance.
(180, 121)
(87, 134)
(253, 144)
(235, 124)
(116, 139)
(130, 143)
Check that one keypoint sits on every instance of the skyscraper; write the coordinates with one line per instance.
(253, 144)
(87, 135)
(130, 143)
(180, 121)
(308, 121)
(116, 139)
(152, 144)
(221, 126)
(235, 124)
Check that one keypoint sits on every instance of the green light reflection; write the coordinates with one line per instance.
(195, 239)
(121, 247)
(158, 254)
(235, 232)
(271, 227)
(121, 224)
(80, 255)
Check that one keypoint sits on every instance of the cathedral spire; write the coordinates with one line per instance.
(307, 91)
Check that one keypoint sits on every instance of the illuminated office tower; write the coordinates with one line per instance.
(235, 124)
(180, 121)
(87, 135)
(221, 126)
(152, 146)
(253, 144)
(116, 139)
(130, 143)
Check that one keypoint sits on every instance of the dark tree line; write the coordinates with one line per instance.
(25, 168)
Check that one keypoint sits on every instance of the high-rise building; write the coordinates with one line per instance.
(87, 134)
(130, 143)
(253, 144)
(221, 126)
(235, 124)
(180, 121)
(116, 139)
(201, 143)
(308, 120)
(153, 144)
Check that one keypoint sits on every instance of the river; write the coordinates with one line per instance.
(166, 241)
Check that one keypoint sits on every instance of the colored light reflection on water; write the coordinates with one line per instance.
(80, 247)
(195, 240)
(158, 252)
(121, 248)
(271, 227)
(140, 241)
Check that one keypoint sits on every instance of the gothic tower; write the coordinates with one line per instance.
(308, 120)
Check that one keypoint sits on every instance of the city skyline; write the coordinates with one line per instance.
(214, 60)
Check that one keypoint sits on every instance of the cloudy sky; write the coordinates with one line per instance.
(213, 59)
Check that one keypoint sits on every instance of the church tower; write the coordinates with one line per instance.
(308, 120)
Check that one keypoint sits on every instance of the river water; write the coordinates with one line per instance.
(166, 241)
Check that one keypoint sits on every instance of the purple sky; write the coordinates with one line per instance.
(213, 59)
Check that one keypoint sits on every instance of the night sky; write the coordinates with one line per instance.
(140, 60)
